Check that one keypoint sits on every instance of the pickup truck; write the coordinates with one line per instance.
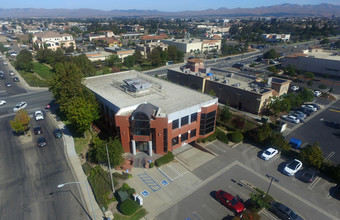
(38, 115)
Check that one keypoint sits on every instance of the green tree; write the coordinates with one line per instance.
(129, 61)
(311, 155)
(212, 92)
(85, 65)
(307, 95)
(43, 55)
(172, 53)
(272, 69)
(271, 54)
(138, 56)
(98, 151)
(263, 133)
(3, 49)
(325, 41)
(225, 114)
(24, 61)
(112, 60)
(337, 43)
(309, 75)
(278, 141)
(81, 112)
(236, 137)
(20, 122)
(66, 84)
(155, 57)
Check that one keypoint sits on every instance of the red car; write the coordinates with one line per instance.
(230, 201)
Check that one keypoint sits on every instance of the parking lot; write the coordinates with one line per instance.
(189, 194)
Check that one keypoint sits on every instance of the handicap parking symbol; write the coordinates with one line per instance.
(145, 193)
(164, 183)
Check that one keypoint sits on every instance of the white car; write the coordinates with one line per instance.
(317, 93)
(38, 115)
(269, 153)
(294, 88)
(310, 107)
(2, 102)
(291, 118)
(19, 106)
(11, 73)
(292, 167)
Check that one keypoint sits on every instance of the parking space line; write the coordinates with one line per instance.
(197, 215)
(272, 160)
(176, 171)
(268, 214)
(313, 184)
(211, 211)
(162, 172)
(151, 183)
(330, 155)
(238, 192)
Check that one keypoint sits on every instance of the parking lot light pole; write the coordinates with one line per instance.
(272, 178)
(88, 193)
(108, 160)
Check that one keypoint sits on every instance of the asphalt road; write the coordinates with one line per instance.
(29, 175)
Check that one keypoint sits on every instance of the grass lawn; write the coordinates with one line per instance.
(81, 142)
(32, 80)
(43, 71)
(138, 215)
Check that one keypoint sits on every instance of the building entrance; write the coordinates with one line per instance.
(142, 146)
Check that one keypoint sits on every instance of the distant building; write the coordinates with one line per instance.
(315, 60)
(120, 52)
(97, 55)
(242, 91)
(53, 40)
(147, 48)
(150, 114)
(276, 37)
(192, 44)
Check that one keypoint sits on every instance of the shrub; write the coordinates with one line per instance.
(128, 207)
(220, 135)
(260, 200)
(131, 191)
(152, 164)
(165, 159)
(238, 122)
(331, 171)
(236, 137)
(123, 176)
(310, 82)
(210, 138)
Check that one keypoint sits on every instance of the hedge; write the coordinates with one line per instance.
(128, 207)
(165, 159)
(210, 138)
(87, 168)
(236, 137)
(220, 135)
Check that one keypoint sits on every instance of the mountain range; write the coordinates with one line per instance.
(283, 10)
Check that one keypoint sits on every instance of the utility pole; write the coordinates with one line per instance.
(108, 160)
(272, 178)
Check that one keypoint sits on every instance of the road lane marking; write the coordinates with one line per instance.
(211, 211)
(313, 184)
(333, 110)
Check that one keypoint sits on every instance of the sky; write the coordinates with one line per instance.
(161, 5)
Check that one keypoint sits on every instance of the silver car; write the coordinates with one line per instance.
(19, 106)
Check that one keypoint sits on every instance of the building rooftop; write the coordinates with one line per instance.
(167, 96)
(184, 41)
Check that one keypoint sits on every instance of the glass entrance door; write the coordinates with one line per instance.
(142, 146)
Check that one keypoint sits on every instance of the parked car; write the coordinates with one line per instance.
(42, 142)
(4, 63)
(19, 106)
(238, 65)
(38, 115)
(309, 175)
(230, 201)
(308, 112)
(11, 73)
(7, 84)
(292, 167)
(37, 130)
(15, 79)
(317, 93)
(299, 115)
(269, 153)
(309, 107)
(314, 105)
(291, 118)
(294, 88)
(58, 133)
(2, 102)
(284, 212)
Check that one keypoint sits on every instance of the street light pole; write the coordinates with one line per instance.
(88, 193)
(271, 181)
(108, 160)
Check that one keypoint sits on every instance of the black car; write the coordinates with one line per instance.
(37, 130)
(283, 212)
(238, 65)
(306, 111)
(15, 79)
(58, 133)
(42, 142)
(309, 175)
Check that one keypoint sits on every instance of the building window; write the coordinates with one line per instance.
(165, 140)
(193, 133)
(184, 120)
(174, 124)
(193, 117)
(184, 137)
(174, 141)
(207, 123)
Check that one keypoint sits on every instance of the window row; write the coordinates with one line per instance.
(184, 120)
(184, 137)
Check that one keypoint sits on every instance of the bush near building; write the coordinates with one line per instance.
(236, 137)
(128, 207)
(165, 159)
(211, 138)
(220, 135)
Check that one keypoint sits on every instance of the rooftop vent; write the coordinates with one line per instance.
(136, 85)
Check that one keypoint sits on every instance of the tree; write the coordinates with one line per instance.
(307, 95)
(278, 141)
(98, 151)
(271, 54)
(81, 112)
(85, 65)
(225, 114)
(112, 60)
(155, 57)
(311, 155)
(325, 41)
(263, 133)
(172, 53)
(66, 84)
(129, 61)
(20, 122)
(24, 61)
(138, 56)
(236, 137)
(337, 43)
